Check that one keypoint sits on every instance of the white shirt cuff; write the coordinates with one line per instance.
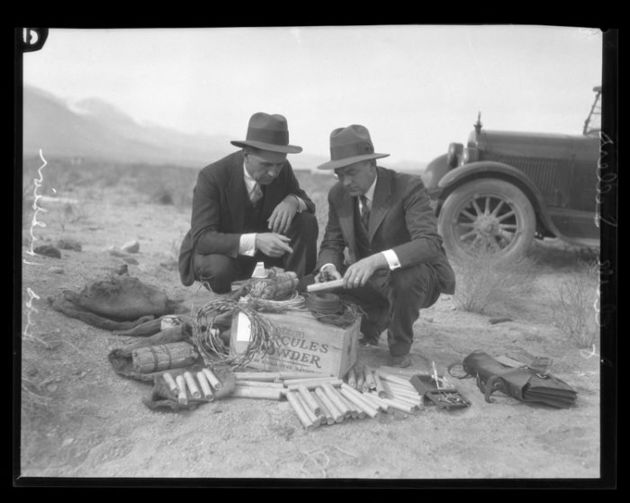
(301, 204)
(392, 259)
(247, 244)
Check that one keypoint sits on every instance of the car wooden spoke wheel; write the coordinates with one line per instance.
(487, 217)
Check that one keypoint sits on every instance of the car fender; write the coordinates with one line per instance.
(493, 169)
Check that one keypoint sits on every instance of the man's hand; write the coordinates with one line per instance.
(327, 273)
(272, 244)
(283, 214)
(360, 272)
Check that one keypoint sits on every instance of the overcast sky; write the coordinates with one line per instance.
(416, 88)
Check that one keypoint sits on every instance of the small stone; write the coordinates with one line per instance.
(123, 269)
(67, 442)
(116, 252)
(131, 247)
(56, 270)
(52, 388)
(428, 320)
(130, 260)
(48, 251)
(69, 244)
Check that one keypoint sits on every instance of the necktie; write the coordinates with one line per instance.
(255, 194)
(365, 212)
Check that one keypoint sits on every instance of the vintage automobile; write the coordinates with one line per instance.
(503, 189)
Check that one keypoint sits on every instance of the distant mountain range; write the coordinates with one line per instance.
(94, 128)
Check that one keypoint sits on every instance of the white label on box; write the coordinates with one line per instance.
(244, 328)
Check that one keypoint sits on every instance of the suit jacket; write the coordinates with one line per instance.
(218, 209)
(401, 218)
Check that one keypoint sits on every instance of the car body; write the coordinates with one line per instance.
(504, 188)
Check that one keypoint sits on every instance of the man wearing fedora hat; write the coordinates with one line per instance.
(397, 264)
(249, 207)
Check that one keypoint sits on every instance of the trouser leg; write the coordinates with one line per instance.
(373, 300)
(218, 271)
(410, 289)
(303, 234)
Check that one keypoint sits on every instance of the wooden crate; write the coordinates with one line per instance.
(306, 345)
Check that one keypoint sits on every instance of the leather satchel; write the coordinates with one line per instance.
(523, 383)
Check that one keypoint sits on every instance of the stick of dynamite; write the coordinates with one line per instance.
(205, 386)
(212, 379)
(334, 411)
(359, 396)
(315, 384)
(257, 392)
(192, 385)
(402, 393)
(170, 382)
(299, 410)
(354, 411)
(403, 399)
(257, 376)
(324, 412)
(369, 379)
(312, 380)
(360, 374)
(395, 404)
(335, 398)
(399, 380)
(324, 286)
(182, 397)
(261, 384)
(308, 398)
(378, 401)
(364, 406)
(351, 378)
(402, 387)
(380, 390)
(309, 412)
(405, 373)
(286, 375)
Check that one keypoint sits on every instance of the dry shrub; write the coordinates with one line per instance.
(486, 285)
(576, 307)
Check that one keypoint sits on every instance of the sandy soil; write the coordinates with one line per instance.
(95, 425)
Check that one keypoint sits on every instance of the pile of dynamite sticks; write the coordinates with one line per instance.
(201, 385)
(323, 400)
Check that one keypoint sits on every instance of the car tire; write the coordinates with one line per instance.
(487, 216)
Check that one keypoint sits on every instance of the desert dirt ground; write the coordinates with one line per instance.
(80, 419)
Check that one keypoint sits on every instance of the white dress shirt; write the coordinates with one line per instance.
(390, 255)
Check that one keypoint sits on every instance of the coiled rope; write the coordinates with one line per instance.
(333, 309)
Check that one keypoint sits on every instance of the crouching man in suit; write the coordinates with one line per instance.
(249, 207)
(385, 223)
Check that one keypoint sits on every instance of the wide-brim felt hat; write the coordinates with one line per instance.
(349, 145)
(268, 132)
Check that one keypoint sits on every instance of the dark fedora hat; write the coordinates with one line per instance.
(268, 132)
(349, 145)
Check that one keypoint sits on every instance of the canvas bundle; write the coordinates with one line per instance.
(523, 383)
(163, 357)
(278, 285)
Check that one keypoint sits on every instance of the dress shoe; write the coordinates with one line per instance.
(400, 361)
(368, 341)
